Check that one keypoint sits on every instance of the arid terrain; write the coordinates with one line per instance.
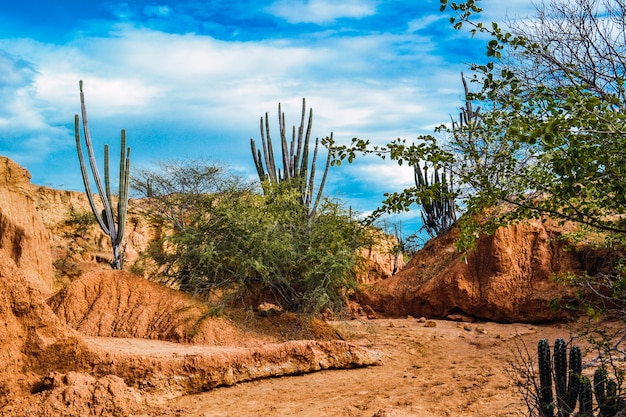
(78, 339)
(452, 369)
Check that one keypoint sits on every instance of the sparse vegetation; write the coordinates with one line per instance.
(81, 220)
(238, 245)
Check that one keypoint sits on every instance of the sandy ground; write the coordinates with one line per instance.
(451, 369)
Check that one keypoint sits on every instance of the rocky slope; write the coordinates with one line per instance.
(49, 368)
(508, 277)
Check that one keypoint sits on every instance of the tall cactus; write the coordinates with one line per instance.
(566, 381)
(295, 159)
(112, 225)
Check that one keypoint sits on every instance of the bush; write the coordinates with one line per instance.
(238, 245)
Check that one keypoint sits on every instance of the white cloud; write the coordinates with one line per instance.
(321, 11)
(425, 21)
(215, 91)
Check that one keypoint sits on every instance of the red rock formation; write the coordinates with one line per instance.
(23, 238)
(509, 277)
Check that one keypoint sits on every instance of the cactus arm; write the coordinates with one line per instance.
(321, 186)
(107, 177)
(283, 145)
(94, 166)
(586, 400)
(304, 165)
(293, 161)
(308, 190)
(575, 373)
(606, 393)
(560, 374)
(123, 160)
(85, 175)
(545, 379)
(300, 134)
(258, 163)
(122, 201)
(268, 149)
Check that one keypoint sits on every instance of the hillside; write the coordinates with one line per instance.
(81, 339)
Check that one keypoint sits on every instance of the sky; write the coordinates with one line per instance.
(190, 79)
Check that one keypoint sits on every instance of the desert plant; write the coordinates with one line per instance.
(295, 156)
(239, 247)
(586, 400)
(111, 224)
(438, 207)
(81, 220)
(566, 382)
(605, 391)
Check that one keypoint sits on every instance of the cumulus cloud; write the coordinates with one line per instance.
(25, 135)
(184, 92)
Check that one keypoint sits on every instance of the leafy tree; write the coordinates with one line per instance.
(549, 137)
(557, 88)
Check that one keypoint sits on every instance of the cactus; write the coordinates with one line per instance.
(606, 394)
(106, 219)
(438, 210)
(586, 401)
(295, 157)
(567, 382)
(545, 379)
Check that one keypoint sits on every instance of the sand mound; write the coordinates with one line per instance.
(119, 304)
(77, 394)
(33, 341)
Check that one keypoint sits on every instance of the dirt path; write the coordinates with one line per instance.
(451, 369)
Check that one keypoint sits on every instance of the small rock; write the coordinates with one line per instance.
(387, 412)
(460, 317)
(430, 323)
(269, 309)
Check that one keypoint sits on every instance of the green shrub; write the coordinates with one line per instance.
(240, 245)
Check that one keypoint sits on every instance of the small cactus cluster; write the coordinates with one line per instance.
(571, 386)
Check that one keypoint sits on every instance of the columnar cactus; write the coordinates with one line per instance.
(545, 379)
(567, 382)
(438, 210)
(586, 400)
(606, 394)
(112, 226)
(295, 157)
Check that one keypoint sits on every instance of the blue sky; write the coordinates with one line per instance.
(191, 78)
